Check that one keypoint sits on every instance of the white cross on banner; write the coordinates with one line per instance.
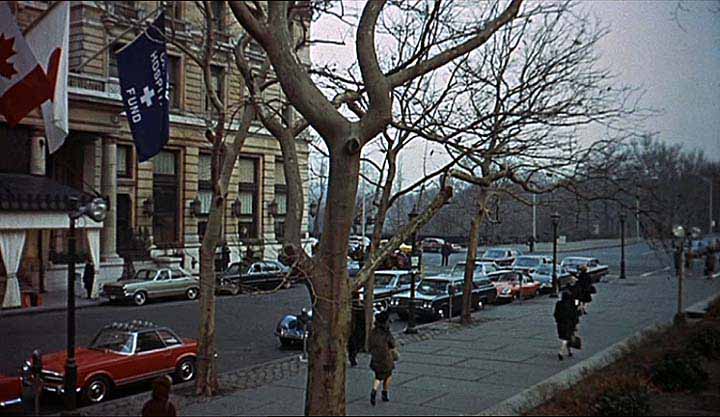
(148, 94)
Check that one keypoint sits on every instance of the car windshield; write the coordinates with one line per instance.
(114, 340)
(431, 287)
(145, 274)
(383, 280)
(494, 254)
(527, 262)
(508, 278)
(574, 262)
(546, 269)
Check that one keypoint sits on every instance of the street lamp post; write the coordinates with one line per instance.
(415, 259)
(622, 246)
(96, 210)
(555, 221)
(679, 233)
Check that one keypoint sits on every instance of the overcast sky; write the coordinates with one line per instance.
(677, 61)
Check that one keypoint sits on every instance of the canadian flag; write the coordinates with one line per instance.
(23, 83)
(49, 39)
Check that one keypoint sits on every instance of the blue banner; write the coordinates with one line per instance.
(142, 68)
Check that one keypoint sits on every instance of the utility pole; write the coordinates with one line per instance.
(534, 215)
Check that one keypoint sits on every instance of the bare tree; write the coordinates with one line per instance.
(523, 99)
(344, 139)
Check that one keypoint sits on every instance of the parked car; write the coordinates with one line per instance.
(455, 248)
(153, 283)
(387, 284)
(120, 354)
(11, 390)
(595, 268)
(501, 256)
(511, 285)
(353, 268)
(543, 275)
(530, 263)
(404, 247)
(239, 277)
(482, 270)
(432, 244)
(434, 296)
(698, 248)
(290, 331)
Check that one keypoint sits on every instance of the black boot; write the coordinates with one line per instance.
(569, 353)
(373, 395)
(385, 397)
(560, 357)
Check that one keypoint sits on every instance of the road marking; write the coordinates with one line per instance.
(647, 274)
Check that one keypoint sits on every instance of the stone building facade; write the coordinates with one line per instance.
(161, 203)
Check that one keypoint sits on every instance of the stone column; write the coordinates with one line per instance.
(37, 152)
(108, 244)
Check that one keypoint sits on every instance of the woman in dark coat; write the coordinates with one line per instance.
(584, 284)
(566, 319)
(382, 363)
(89, 278)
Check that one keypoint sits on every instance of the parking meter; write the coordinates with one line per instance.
(36, 372)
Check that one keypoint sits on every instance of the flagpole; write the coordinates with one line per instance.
(110, 44)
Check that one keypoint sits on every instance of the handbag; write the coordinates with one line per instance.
(593, 290)
(395, 354)
(576, 342)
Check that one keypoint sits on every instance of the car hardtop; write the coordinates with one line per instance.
(153, 273)
(433, 239)
(134, 329)
(506, 252)
(546, 269)
(542, 258)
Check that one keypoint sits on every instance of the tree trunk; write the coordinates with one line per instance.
(375, 242)
(470, 268)
(470, 260)
(295, 200)
(207, 383)
(327, 365)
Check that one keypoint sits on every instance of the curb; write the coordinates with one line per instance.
(42, 310)
(544, 390)
(699, 309)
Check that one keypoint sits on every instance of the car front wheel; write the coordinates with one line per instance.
(140, 298)
(191, 293)
(185, 370)
(98, 390)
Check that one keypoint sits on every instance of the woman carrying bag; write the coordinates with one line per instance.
(384, 354)
(566, 319)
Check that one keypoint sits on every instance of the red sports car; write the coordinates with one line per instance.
(122, 353)
(508, 288)
(10, 391)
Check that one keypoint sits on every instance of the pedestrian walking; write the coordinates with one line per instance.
(446, 249)
(384, 354)
(160, 404)
(531, 244)
(585, 287)
(89, 278)
(357, 330)
(566, 319)
(710, 264)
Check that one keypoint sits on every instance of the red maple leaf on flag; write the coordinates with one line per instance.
(6, 51)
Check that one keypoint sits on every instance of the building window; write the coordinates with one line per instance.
(124, 167)
(112, 59)
(248, 197)
(280, 199)
(175, 81)
(205, 182)
(217, 81)
(17, 139)
(174, 10)
(218, 10)
(165, 196)
(126, 9)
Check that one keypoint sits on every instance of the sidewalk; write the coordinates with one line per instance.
(52, 301)
(461, 371)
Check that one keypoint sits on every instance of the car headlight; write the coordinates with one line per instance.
(283, 332)
(394, 302)
(506, 290)
(427, 305)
